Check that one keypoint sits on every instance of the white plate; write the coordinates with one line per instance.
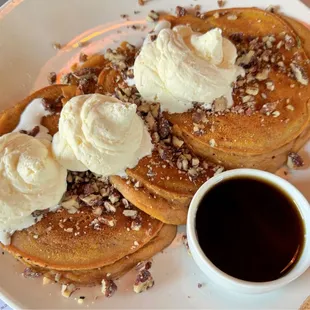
(27, 31)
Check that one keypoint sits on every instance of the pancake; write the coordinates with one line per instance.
(114, 271)
(65, 241)
(251, 138)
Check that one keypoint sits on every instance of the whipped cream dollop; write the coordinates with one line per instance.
(101, 134)
(31, 179)
(182, 66)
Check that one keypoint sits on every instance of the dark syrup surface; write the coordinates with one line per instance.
(250, 229)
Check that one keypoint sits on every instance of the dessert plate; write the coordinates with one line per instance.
(26, 57)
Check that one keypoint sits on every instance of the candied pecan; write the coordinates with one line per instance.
(237, 37)
(221, 3)
(144, 265)
(152, 16)
(49, 104)
(30, 273)
(268, 108)
(34, 131)
(294, 160)
(83, 57)
(87, 189)
(164, 128)
(299, 73)
(87, 85)
(197, 117)
(143, 282)
(180, 11)
(165, 153)
(108, 287)
(136, 223)
(289, 42)
(87, 71)
(51, 78)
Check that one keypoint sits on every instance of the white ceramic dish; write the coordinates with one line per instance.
(27, 30)
(221, 278)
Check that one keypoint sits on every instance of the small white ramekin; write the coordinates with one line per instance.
(224, 280)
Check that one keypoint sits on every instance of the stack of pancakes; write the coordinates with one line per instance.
(162, 185)
(255, 137)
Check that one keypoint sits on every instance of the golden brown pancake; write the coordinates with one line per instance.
(66, 241)
(255, 140)
(114, 271)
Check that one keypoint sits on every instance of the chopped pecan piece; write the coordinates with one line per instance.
(49, 104)
(164, 128)
(289, 42)
(83, 57)
(130, 213)
(143, 282)
(237, 37)
(273, 9)
(180, 11)
(51, 78)
(33, 132)
(268, 108)
(300, 74)
(108, 287)
(30, 273)
(232, 17)
(221, 3)
(152, 16)
(67, 290)
(220, 104)
(91, 200)
(177, 142)
(198, 116)
(294, 160)
(145, 265)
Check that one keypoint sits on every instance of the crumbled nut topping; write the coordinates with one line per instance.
(180, 11)
(232, 17)
(300, 74)
(144, 281)
(30, 273)
(212, 143)
(130, 213)
(268, 108)
(221, 3)
(51, 78)
(108, 287)
(294, 160)
(33, 132)
(83, 57)
(185, 243)
(275, 113)
(152, 16)
(220, 104)
(46, 281)
(50, 105)
(67, 290)
(144, 265)
(57, 46)
(290, 107)
(273, 9)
